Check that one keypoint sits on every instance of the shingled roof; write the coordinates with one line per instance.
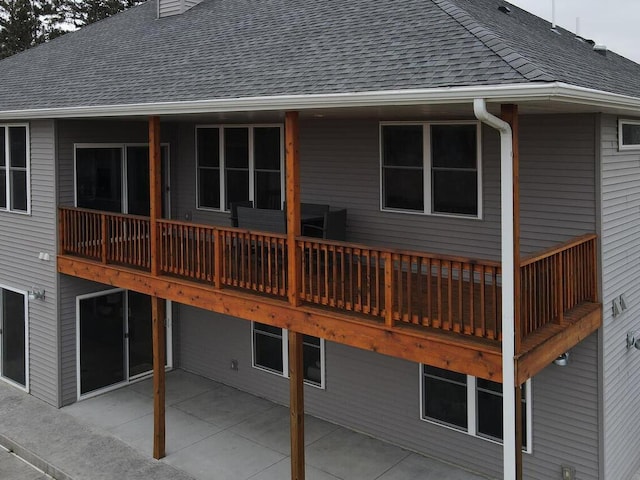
(241, 48)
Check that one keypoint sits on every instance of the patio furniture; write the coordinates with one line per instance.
(334, 226)
(233, 206)
(262, 219)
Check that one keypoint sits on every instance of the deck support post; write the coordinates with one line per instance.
(509, 113)
(296, 404)
(159, 362)
(157, 303)
(292, 167)
(155, 191)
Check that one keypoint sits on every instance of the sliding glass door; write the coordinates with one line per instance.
(115, 178)
(114, 339)
(13, 337)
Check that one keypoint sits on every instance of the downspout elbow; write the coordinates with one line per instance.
(482, 114)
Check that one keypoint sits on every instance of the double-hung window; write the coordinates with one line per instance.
(14, 168)
(629, 134)
(271, 353)
(469, 404)
(431, 168)
(239, 163)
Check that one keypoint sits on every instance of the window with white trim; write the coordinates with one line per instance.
(271, 353)
(14, 168)
(431, 168)
(239, 163)
(469, 404)
(629, 134)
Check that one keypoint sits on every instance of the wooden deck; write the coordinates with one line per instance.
(435, 309)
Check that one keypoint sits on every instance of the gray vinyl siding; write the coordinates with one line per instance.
(22, 238)
(620, 274)
(379, 395)
(170, 7)
(340, 165)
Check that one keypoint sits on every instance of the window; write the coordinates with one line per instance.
(629, 134)
(472, 405)
(431, 168)
(239, 163)
(115, 177)
(14, 168)
(271, 353)
(13, 337)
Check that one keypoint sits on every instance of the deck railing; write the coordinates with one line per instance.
(441, 292)
(555, 281)
(438, 292)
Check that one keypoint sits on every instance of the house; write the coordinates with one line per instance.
(490, 168)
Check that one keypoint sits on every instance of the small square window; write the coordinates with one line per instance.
(629, 134)
(270, 352)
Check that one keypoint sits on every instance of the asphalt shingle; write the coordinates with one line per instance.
(243, 48)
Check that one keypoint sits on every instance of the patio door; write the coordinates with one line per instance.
(114, 340)
(115, 178)
(13, 337)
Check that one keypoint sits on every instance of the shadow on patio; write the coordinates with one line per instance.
(217, 432)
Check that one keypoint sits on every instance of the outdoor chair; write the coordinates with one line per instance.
(334, 226)
(233, 206)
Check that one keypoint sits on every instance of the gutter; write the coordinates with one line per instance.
(508, 290)
(514, 93)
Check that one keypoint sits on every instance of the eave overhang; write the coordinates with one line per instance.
(555, 92)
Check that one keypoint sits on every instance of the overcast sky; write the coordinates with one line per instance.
(614, 23)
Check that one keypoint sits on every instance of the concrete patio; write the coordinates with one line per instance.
(217, 432)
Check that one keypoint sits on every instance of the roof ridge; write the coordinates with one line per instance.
(497, 45)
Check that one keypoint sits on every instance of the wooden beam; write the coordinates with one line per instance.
(293, 204)
(296, 404)
(471, 356)
(155, 190)
(580, 322)
(159, 362)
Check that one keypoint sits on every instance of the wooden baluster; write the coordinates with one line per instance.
(438, 323)
(429, 293)
(103, 238)
(460, 321)
(388, 288)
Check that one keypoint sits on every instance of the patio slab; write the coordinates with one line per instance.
(214, 432)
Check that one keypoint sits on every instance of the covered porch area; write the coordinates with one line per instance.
(216, 431)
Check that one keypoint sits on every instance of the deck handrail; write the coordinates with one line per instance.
(396, 286)
(555, 249)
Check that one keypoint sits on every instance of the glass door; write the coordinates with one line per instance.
(13, 348)
(115, 339)
(138, 179)
(101, 338)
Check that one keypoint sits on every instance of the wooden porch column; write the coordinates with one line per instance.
(296, 404)
(155, 193)
(292, 166)
(509, 114)
(157, 304)
(158, 316)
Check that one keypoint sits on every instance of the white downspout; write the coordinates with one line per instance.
(508, 290)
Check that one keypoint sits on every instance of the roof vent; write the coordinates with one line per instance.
(504, 9)
(601, 49)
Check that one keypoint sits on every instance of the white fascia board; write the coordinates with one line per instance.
(514, 93)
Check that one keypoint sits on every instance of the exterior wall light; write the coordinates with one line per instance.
(36, 294)
(562, 360)
(633, 340)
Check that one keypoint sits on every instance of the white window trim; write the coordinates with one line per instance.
(25, 387)
(123, 170)
(128, 380)
(472, 410)
(426, 151)
(621, 122)
(223, 193)
(6, 127)
(285, 359)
